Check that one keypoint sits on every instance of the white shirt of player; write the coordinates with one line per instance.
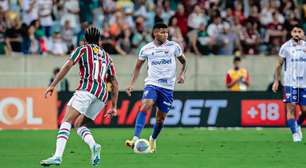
(294, 55)
(161, 63)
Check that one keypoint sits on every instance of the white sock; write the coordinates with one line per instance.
(62, 138)
(86, 135)
(135, 138)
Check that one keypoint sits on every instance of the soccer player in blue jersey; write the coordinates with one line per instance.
(293, 57)
(161, 55)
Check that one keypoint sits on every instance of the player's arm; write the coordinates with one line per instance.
(135, 74)
(182, 60)
(277, 74)
(73, 59)
(64, 70)
(115, 91)
(246, 80)
(229, 82)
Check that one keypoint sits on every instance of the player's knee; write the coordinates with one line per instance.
(77, 124)
(160, 121)
(145, 108)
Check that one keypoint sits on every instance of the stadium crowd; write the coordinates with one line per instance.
(204, 27)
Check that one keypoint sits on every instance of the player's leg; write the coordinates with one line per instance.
(62, 137)
(158, 126)
(302, 117)
(291, 122)
(140, 122)
(163, 102)
(291, 100)
(148, 99)
(83, 131)
(300, 120)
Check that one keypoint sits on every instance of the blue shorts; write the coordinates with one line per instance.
(162, 97)
(295, 95)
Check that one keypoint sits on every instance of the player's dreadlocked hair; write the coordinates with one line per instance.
(92, 35)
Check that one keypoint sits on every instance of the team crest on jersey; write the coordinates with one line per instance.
(146, 93)
(96, 50)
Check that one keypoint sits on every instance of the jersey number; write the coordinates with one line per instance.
(97, 68)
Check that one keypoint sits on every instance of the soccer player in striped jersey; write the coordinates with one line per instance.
(161, 55)
(293, 57)
(96, 67)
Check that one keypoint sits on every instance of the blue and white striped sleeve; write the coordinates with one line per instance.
(142, 55)
(283, 51)
(178, 50)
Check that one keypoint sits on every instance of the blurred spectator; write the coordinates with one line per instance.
(249, 39)
(86, 10)
(158, 15)
(289, 8)
(175, 33)
(67, 35)
(34, 44)
(40, 36)
(109, 42)
(237, 78)
(276, 34)
(45, 11)
(266, 15)
(238, 12)
(125, 42)
(4, 5)
(4, 50)
(140, 36)
(63, 84)
(57, 46)
(13, 34)
(254, 16)
(215, 30)
(292, 20)
(140, 9)
(98, 17)
(196, 18)
(182, 19)
(121, 18)
(201, 42)
(29, 11)
(167, 11)
(71, 11)
(81, 34)
(231, 42)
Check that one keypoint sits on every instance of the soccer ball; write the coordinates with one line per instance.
(142, 146)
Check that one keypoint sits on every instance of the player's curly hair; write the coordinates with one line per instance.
(92, 35)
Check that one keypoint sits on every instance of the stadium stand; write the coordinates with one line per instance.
(204, 27)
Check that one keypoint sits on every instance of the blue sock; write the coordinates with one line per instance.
(292, 124)
(140, 123)
(156, 130)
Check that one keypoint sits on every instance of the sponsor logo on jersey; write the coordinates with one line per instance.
(161, 62)
(162, 80)
(298, 59)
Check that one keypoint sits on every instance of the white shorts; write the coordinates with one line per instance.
(86, 103)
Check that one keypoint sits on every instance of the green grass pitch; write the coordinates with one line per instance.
(176, 148)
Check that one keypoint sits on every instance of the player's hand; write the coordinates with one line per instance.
(275, 86)
(112, 112)
(49, 91)
(129, 90)
(180, 79)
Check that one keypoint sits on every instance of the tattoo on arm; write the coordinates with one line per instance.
(277, 73)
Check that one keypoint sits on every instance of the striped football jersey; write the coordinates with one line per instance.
(95, 66)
